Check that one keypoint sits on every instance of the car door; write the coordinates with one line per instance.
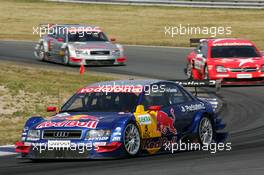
(164, 115)
(178, 100)
(59, 40)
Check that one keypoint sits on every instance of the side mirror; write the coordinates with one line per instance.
(60, 40)
(51, 109)
(154, 108)
(199, 55)
(112, 39)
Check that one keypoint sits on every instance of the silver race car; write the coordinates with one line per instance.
(78, 44)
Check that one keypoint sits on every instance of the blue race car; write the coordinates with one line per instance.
(121, 118)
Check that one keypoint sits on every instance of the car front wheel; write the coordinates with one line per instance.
(131, 139)
(206, 73)
(66, 57)
(42, 54)
(189, 71)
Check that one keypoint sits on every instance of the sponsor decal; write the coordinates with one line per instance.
(192, 107)
(233, 44)
(81, 117)
(118, 129)
(244, 61)
(108, 89)
(117, 134)
(86, 124)
(146, 133)
(157, 142)
(67, 116)
(59, 143)
(98, 138)
(144, 119)
(116, 139)
(166, 123)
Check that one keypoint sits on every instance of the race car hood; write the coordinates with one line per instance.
(239, 62)
(93, 45)
(91, 120)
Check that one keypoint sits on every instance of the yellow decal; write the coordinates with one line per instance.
(147, 122)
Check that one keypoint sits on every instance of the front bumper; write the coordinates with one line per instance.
(237, 78)
(38, 150)
(98, 61)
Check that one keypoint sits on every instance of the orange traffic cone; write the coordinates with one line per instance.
(82, 69)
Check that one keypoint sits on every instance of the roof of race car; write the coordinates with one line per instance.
(74, 25)
(128, 86)
(140, 82)
(229, 42)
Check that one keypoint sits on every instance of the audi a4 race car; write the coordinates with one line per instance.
(78, 44)
(121, 118)
(234, 61)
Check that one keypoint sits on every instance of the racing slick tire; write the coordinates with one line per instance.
(66, 57)
(206, 73)
(42, 53)
(131, 139)
(189, 71)
(205, 131)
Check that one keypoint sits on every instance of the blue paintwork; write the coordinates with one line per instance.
(187, 122)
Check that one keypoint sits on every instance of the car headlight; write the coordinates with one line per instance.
(262, 68)
(116, 52)
(78, 51)
(97, 134)
(33, 135)
(221, 69)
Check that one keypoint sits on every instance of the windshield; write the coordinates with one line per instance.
(102, 102)
(234, 52)
(87, 36)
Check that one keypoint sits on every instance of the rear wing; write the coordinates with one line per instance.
(195, 41)
(216, 84)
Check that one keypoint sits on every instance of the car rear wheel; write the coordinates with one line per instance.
(42, 54)
(205, 131)
(132, 139)
(66, 57)
(189, 71)
(206, 73)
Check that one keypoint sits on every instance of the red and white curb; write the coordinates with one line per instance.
(6, 150)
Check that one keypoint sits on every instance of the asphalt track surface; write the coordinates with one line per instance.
(243, 113)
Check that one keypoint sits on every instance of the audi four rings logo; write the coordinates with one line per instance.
(61, 134)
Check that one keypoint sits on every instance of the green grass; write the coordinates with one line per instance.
(27, 91)
(129, 24)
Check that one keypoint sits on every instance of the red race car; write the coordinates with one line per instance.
(234, 61)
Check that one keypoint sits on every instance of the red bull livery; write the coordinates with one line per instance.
(120, 118)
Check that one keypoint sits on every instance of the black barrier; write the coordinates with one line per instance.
(199, 83)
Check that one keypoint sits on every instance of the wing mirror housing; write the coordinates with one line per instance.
(112, 39)
(51, 109)
(154, 108)
(199, 55)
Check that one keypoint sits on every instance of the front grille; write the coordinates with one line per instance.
(62, 134)
(243, 80)
(80, 153)
(100, 52)
(248, 69)
(100, 62)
